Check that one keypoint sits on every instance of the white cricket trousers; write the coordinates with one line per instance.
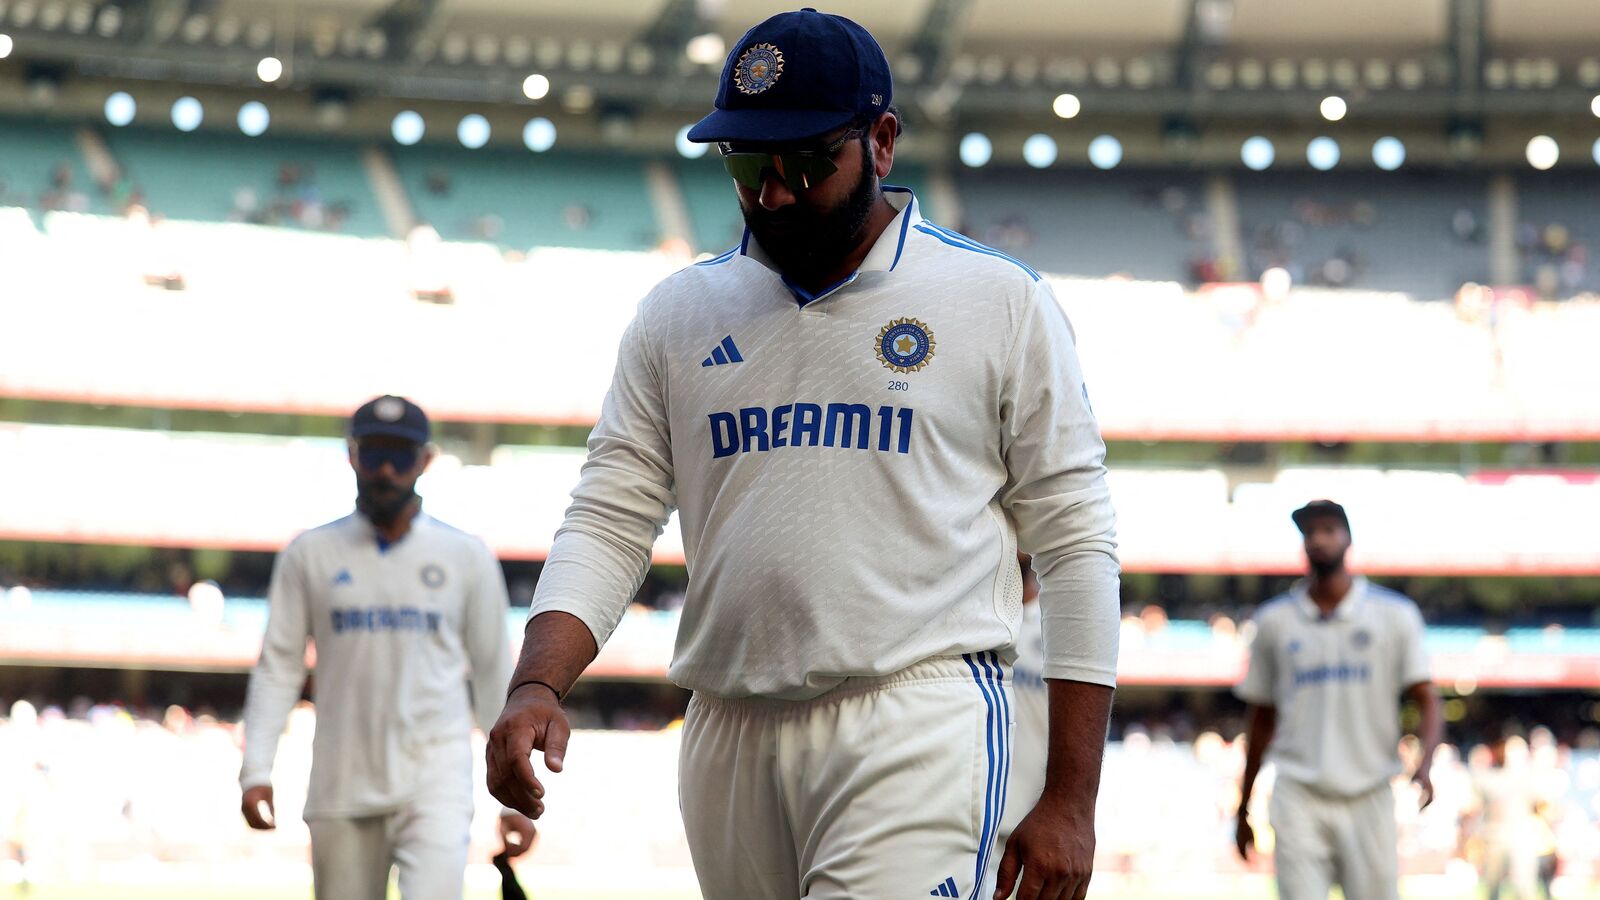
(425, 839)
(1324, 840)
(883, 787)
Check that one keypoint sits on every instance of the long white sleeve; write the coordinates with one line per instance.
(1056, 494)
(280, 673)
(487, 643)
(622, 502)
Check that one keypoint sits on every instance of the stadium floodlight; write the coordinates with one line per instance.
(1595, 151)
(1105, 152)
(539, 134)
(1039, 151)
(187, 114)
(535, 86)
(1258, 153)
(1388, 153)
(407, 127)
(269, 69)
(1322, 153)
(1333, 108)
(689, 149)
(254, 118)
(1542, 152)
(1067, 106)
(473, 131)
(1594, 105)
(976, 149)
(120, 108)
(706, 49)
(6, 43)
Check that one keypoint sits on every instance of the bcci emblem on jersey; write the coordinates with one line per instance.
(905, 345)
(758, 69)
(432, 576)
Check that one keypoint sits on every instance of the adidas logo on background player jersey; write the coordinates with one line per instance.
(947, 889)
(726, 354)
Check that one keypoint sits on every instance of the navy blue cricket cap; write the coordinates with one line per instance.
(795, 76)
(391, 416)
(1319, 509)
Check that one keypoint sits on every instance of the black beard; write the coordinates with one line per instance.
(1324, 568)
(383, 509)
(813, 244)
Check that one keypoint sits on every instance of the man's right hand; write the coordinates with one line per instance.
(532, 720)
(1244, 836)
(255, 799)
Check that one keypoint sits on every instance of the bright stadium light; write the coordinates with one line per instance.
(1333, 108)
(1388, 153)
(407, 127)
(535, 86)
(1542, 152)
(1258, 153)
(269, 69)
(1105, 152)
(254, 118)
(5, 45)
(976, 149)
(706, 49)
(1595, 151)
(1067, 106)
(187, 114)
(1594, 105)
(1322, 153)
(1039, 151)
(473, 131)
(120, 108)
(539, 135)
(689, 149)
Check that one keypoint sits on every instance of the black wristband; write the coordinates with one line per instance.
(527, 681)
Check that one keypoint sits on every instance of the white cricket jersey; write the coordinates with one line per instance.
(1030, 737)
(851, 469)
(411, 643)
(1336, 684)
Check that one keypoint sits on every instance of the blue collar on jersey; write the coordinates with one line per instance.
(1344, 612)
(883, 257)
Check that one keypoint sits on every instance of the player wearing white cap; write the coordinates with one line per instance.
(408, 617)
(858, 415)
(1328, 666)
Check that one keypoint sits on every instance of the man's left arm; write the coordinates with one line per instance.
(1057, 496)
(488, 646)
(1417, 676)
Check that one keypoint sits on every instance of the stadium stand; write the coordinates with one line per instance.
(41, 168)
(1088, 228)
(1559, 231)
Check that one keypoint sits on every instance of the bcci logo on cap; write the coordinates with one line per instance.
(905, 345)
(389, 409)
(758, 68)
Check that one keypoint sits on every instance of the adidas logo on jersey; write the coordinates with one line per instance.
(946, 889)
(343, 578)
(725, 354)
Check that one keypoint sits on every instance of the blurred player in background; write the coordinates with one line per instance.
(851, 492)
(408, 618)
(1328, 665)
(1508, 826)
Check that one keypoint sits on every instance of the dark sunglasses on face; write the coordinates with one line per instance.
(402, 459)
(799, 169)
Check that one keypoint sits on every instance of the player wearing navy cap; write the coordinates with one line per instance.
(1329, 663)
(408, 616)
(858, 415)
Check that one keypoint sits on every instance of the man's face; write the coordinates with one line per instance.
(811, 230)
(1326, 542)
(387, 469)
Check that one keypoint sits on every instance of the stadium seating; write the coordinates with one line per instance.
(1559, 228)
(213, 177)
(523, 200)
(31, 151)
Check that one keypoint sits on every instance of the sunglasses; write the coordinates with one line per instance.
(402, 459)
(798, 169)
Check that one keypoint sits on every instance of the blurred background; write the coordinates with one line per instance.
(1310, 249)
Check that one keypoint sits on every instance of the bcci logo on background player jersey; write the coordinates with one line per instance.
(905, 345)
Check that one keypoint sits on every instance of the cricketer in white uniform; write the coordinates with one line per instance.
(1328, 665)
(408, 618)
(857, 414)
